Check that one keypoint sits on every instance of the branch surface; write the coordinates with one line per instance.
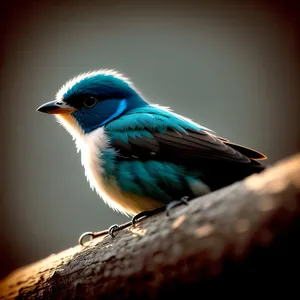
(240, 240)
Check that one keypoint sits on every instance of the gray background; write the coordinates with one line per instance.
(231, 66)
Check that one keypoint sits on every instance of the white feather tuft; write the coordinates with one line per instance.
(107, 72)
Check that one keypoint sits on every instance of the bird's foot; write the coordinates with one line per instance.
(171, 205)
(112, 229)
(146, 214)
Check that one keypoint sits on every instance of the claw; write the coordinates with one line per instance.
(146, 213)
(89, 234)
(112, 229)
(138, 216)
(171, 205)
(185, 200)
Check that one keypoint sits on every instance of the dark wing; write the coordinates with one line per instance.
(220, 162)
(253, 154)
(186, 149)
(250, 153)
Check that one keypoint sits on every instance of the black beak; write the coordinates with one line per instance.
(55, 107)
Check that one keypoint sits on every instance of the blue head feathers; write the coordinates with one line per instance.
(99, 97)
(93, 99)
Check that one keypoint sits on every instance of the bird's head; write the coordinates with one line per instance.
(93, 99)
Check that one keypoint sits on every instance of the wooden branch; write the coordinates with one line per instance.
(237, 241)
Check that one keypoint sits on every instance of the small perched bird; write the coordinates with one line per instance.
(139, 156)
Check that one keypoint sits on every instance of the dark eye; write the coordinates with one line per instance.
(89, 102)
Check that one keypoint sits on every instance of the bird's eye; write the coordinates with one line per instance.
(90, 102)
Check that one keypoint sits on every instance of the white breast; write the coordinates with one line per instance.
(123, 202)
(90, 146)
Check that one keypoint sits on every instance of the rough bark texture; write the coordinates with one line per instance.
(238, 241)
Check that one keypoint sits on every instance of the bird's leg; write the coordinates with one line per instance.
(147, 213)
(171, 205)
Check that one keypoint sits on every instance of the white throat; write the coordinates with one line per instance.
(90, 147)
(89, 144)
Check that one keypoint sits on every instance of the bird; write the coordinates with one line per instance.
(139, 156)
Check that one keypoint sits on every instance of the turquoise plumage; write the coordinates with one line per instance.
(139, 156)
(159, 180)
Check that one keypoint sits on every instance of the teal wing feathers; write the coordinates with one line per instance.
(142, 122)
(160, 154)
(160, 180)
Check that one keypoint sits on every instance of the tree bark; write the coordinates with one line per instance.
(238, 241)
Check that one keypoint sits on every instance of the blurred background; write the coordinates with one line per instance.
(232, 66)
